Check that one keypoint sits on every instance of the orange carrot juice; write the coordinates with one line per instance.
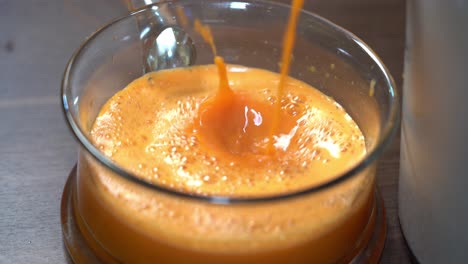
(169, 128)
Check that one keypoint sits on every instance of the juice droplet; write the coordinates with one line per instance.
(181, 16)
(205, 32)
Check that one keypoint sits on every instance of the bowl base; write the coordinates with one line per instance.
(79, 250)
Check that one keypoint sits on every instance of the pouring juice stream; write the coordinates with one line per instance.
(225, 97)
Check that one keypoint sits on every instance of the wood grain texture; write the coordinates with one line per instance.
(37, 151)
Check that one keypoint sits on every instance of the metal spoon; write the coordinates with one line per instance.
(171, 48)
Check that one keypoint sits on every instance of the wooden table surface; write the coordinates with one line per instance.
(37, 151)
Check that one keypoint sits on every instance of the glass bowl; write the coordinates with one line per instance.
(110, 215)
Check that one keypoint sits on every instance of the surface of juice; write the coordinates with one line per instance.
(166, 129)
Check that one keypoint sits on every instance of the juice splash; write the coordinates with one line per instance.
(226, 101)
